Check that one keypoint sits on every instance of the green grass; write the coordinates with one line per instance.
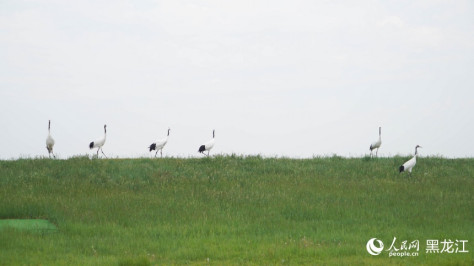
(233, 210)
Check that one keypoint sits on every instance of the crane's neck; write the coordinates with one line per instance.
(380, 133)
(213, 134)
(416, 151)
(168, 132)
(49, 126)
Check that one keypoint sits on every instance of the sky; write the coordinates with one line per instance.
(276, 78)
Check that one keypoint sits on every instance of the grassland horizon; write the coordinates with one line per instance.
(257, 155)
(234, 209)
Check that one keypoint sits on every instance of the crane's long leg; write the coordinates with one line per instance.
(103, 152)
(377, 153)
(54, 156)
(98, 152)
(156, 153)
(161, 152)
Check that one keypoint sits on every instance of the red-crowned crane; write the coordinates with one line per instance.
(208, 145)
(99, 143)
(377, 144)
(50, 141)
(408, 166)
(159, 144)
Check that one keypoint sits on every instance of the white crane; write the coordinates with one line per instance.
(50, 141)
(408, 166)
(159, 144)
(377, 144)
(99, 143)
(208, 145)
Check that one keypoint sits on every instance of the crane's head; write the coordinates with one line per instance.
(105, 128)
(416, 149)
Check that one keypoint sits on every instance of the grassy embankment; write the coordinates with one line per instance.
(233, 210)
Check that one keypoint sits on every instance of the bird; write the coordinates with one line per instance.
(99, 143)
(408, 166)
(377, 144)
(208, 145)
(159, 144)
(50, 141)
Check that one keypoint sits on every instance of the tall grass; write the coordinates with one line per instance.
(233, 210)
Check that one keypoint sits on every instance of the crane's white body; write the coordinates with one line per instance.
(99, 143)
(208, 145)
(376, 144)
(50, 141)
(408, 165)
(160, 144)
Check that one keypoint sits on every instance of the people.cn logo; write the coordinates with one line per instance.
(372, 248)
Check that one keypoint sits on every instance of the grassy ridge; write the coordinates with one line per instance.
(234, 210)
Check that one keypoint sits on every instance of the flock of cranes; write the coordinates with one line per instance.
(160, 144)
(407, 166)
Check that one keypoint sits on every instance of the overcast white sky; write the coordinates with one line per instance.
(277, 78)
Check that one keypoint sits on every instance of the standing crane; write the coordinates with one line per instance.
(99, 143)
(408, 166)
(159, 144)
(50, 141)
(208, 145)
(376, 144)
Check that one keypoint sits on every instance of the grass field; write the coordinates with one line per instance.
(234, 210)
